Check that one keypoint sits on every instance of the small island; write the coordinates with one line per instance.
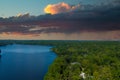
(0, 53)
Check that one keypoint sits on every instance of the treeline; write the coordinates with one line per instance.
(36, 42)
(86, 60)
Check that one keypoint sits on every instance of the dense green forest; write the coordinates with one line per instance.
(86, 61)
(81, 60)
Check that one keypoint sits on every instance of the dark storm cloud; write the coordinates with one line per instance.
(85, 18)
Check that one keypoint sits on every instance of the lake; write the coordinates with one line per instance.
(25, 62)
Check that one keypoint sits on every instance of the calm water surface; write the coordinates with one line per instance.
(25, 62)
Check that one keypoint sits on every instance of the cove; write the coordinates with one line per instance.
(25, 62)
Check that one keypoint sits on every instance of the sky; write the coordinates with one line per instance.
(35, 7)
(60, 19)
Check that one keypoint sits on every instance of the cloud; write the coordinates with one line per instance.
(77, 19)
(59, 8)
(23, 15)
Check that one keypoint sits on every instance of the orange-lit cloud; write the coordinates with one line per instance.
(23, 15)
(16, 35)
(59, 8)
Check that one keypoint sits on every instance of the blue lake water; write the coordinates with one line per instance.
(25, 62)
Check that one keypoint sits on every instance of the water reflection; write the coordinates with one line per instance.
(25, 62)
(0, 54)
